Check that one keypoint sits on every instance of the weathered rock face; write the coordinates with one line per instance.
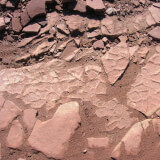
(117, 115)
(97, 5)
(115, 61)
(32, 28)
(7, 113)
(51, 137)
(144, 93)
(155, 33)
(15, 135)
(16, 25)
(2, 23)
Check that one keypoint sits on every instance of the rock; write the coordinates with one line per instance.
(98, 142)
(15, 135)
(56, 132)
(7, 20)
(144, 93)
(118, 115)
(35, 8)
(63, 28)
(94, 34)
(156, 5)
(25, 19)
(11, 4)
(96, 5)
(25, 41)
(29, 118)
(75, 23)
(2, 100)
(155, 33)
(98, 44)
(132, 140)
(110, 11)
(80, 6)
(2, 23)
(32, 28)
(8, 113)
(115, 61)
(93, 24)
(3, 2)
(155, 13)
(16, 25)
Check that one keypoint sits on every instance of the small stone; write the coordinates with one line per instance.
(94, 34)
(104, 39)
(2, 23)
(110, 11)
(29, 118)
(32, 28)
(93, 24)
(80, 6)
(155, 33)
(98, 142)
(15, 135)
(7, 20)
(63, 28)
(84, 151)
(96, 5)
(98, 44)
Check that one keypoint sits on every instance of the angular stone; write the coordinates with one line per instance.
(80, 6)
(156, 5)
(16, 25)
(63, 28)
(92, 24)
(25, 19)
(32, 28)
(98, 44)
(29, 118)
(35, 8)
(131, 140)
(117, 114)
(155, 33)
(8, 112)
(76, 23)
(15, 135)
(94, 33)
(51, 137)
(155, 13)
(115, 61)
(96, 5)
(98, 142)
(2, 23)
(144, 93)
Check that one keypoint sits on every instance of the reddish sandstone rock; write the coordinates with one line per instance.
(15, 135)
(29, 118)
(115, 61)
(80, 6)
(92, 24)
(155, 33)
(32, 28)
(8, 113)
(25, 19)
(35, 8)
(51, 137)
(98, 142)
(16, 25)
(97, 5)
(98, 44)
(2, 23)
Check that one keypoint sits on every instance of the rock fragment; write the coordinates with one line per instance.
(93, 24)
(32, 28)
(98, 44)
(52, 136)
(96, 5)
(15, 135)
(8, 112)
(63, 28)
(155, 33)
(29, 118)
(16, 25)
(2, 23)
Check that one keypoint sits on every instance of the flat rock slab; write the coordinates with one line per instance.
(8, 112)
(51, 137)
(155, 33)
(115, 61)
(15, 135)
(32, 28)
(118, 115)
(96, 5)
(145, 91)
